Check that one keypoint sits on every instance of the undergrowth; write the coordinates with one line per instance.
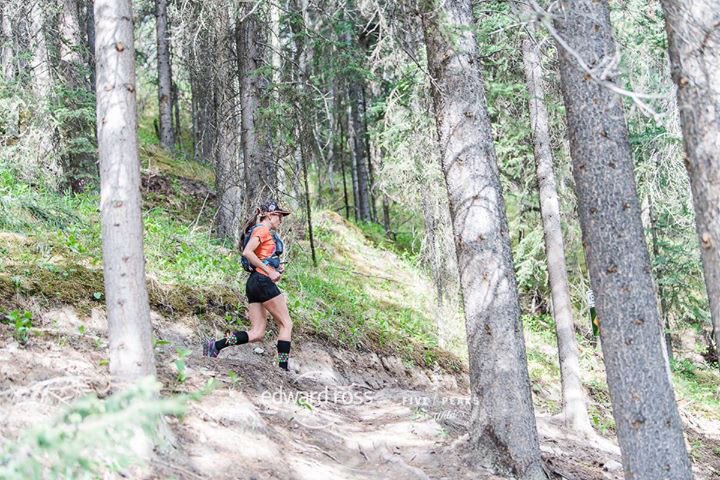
(53, 252)
(696, 386)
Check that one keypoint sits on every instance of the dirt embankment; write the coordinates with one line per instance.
(338, 414)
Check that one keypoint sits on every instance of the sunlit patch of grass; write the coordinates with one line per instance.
(697, 388)
(362, 297)
(153, 157)
(359, 297)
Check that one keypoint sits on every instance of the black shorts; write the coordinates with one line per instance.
(259, 288)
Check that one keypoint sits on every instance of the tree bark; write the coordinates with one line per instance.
(167, 136)
(368, 156)
(693, 29)
(332, 140)
(304, 134)
(90, 34)
(128, 311)
(357, 133)
(357, 137)
(72, 43)
(434, 254)
(20, 32)
(40, 66)
(78, 159)
(198, 44)
(260, 177)
(646, 416)
(386, 217)
(353, 164)
(341, 151)
(229, 177)
(574, 403)
(6, 40)
(204, 130)
(177, 126)
(502, 421)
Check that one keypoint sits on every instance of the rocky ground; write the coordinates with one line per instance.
(338, 414)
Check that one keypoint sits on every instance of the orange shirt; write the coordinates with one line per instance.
(266, 247)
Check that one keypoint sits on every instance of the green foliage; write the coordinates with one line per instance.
(405, 245)
(357, 298)
(601, 421)
(92, 437)
(233, 377)
(21, 320)
(23, 207)
(180, 364)
(696, 386)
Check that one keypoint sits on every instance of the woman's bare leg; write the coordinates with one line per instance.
(258, 322)
(279, 310)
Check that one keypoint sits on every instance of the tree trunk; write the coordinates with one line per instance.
(358, 138)
(434, 253)
(229, 177)
(6, 39)
(305, 135)
(646, 416)
(386, 217)
(128, 311)
(353, 165)
(664, 314)
(574, 403)
(90, 35)
(78, 160)
(167, 137)
(259, 176)
(40, 65)
(502, 423)
(204, 128)
(369, 156)
(694, 47)
(177, 127)
(650, 224)
(199, 45)
(274, 32)
(19, 17)
(341, 151)
(332, 134)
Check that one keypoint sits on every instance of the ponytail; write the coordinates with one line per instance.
(252, 221)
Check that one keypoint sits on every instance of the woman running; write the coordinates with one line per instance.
(262, 248)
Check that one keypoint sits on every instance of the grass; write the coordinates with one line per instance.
(361, 296)
(367, 292)
(697, 388)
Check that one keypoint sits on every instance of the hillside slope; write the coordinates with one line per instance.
(370, 394)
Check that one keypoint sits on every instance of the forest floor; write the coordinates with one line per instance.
(337, 414)
(370, 395)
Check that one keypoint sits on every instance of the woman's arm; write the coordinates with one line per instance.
(249, 253)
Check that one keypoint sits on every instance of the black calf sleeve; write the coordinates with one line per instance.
(237, 338)
(283, 347)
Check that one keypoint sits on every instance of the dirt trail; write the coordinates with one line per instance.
(339, 414)
(351, 416)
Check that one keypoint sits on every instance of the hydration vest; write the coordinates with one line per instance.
(273, 260)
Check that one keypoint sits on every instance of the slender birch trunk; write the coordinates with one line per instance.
(6, 41)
